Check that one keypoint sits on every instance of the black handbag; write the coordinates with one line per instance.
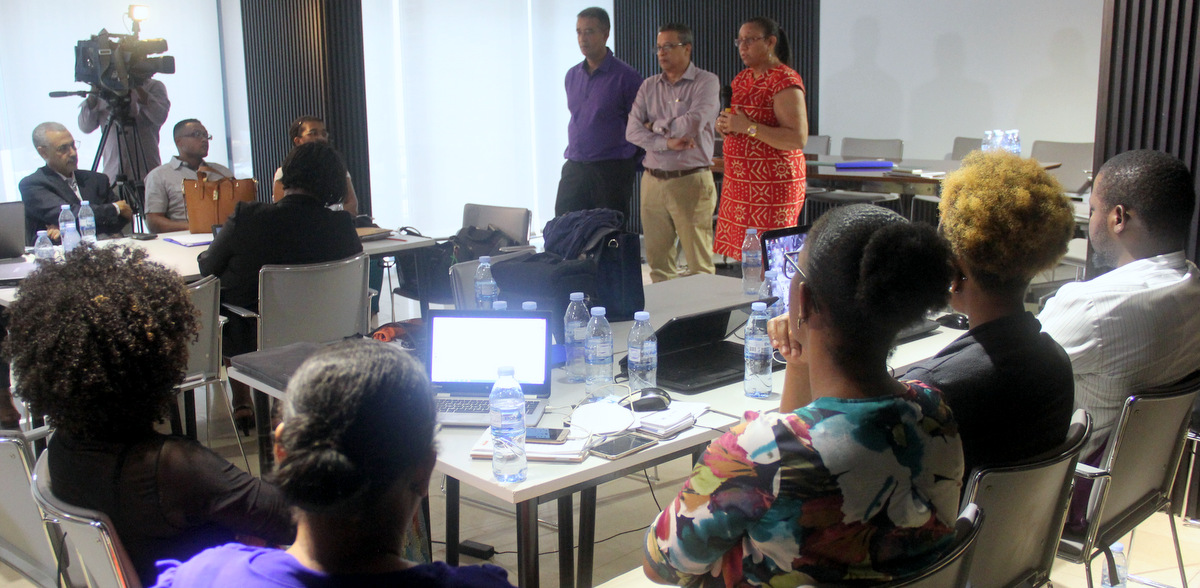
(619, 275)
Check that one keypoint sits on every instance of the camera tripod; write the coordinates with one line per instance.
(131, 190)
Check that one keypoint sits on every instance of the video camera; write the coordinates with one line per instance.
(116, 64)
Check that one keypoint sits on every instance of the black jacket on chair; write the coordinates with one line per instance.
(44, 192)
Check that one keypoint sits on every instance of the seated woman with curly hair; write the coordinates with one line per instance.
(1010, 385)
(354, 455)
(98, 344)
(857, 476)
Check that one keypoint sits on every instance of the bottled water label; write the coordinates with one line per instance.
(647, 352)
(486, 289)
(757, 347)
(580, 332)
(601, 349)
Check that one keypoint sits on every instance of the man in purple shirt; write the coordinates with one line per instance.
(672, 119)
(600, 165)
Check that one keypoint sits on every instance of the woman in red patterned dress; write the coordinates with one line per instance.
(765, 133)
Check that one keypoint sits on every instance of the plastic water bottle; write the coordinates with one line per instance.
(574, 335)
(643, 353)
(598, 352)
(507, 403)
(751, 262)
(768, 289)
(758, 353)
(499, 305)
(87, 223)
(1118, 552)
(42, 247)
(66, 228)
(486, 290)
(529, 305)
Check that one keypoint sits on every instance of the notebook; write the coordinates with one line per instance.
(13, 266)
(465, 349)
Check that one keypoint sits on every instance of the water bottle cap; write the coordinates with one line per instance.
(759, 307)
(65, 207)
(598, 311)
(42, 233)
(577, 296)
(771, 274)
(84, 203)
(499, 305)
(505, 370)
(751, 231)
(1117, 548)
(641, 315)
(529, 305)
(485, 259)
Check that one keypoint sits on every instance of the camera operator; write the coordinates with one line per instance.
(148, 108)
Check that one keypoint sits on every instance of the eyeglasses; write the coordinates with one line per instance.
(199, 135)
(66, 148)
(667, 47)
(739, 42)
(792, 265)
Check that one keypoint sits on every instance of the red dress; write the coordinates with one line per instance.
(763, 186)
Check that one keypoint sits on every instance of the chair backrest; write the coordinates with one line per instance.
(963, 146)
(818, 203)
(27, 541)
(872, 148)
(462, 278)
(204, 354)
(1076, 159)
(1026, 506)
(314, 303)
(512, 221)
(924, 209)
(817, 145)
(89, 535)
(951, 570)
(1142, 456)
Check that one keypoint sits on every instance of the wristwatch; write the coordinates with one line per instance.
(752, 130)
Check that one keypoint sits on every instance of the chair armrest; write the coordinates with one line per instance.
(1088, 472)
(371, 292)
(516, 248)
(242, 312)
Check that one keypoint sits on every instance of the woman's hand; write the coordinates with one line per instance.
(732, 121)
(781, 338)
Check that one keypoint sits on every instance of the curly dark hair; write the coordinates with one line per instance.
(875, 273)
(99, 341)
(1006, 219)
(359, 415)
(317, 169)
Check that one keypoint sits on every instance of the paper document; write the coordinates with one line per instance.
(574, 450)
(193, 240)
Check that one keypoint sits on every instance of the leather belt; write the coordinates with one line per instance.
(670, 175)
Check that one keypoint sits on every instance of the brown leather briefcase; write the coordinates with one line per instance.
(210, 203)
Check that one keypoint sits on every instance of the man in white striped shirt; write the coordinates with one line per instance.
(1137, 326)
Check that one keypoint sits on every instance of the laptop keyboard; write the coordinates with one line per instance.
(474, 405)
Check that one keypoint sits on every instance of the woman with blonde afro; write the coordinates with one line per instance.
(1009, 385)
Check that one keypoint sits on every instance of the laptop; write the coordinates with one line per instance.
(693, 353)
(779, 243)
(13, 266)
(465, 349)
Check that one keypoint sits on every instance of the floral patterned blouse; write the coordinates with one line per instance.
(837, 490)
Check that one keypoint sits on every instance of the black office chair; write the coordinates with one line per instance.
(818, 203)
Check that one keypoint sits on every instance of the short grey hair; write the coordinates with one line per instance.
(684, 32)
(39, 132)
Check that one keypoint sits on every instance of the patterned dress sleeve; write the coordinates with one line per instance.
(785, 78)
(698, 538)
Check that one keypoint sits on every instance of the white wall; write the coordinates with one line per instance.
(37, 55)
(928, 71)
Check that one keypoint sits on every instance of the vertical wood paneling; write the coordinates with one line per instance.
(304, 57)
(1150, 83)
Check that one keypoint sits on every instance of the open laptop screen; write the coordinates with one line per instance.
(466, 347)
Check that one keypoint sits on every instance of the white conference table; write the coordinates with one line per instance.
(183, 259)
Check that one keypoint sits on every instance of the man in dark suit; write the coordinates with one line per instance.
(61, 182)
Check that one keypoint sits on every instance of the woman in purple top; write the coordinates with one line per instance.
(355, 454)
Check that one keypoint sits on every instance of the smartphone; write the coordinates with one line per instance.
(543, 435)
(144, 236)
(619, 447)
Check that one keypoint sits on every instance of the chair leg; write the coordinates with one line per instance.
(236, 434)
(1087, 567)
(1178, 553)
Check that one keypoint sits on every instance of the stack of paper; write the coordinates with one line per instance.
(574, 450)
(677, 417)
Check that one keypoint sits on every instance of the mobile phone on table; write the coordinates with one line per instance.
(143, 236)
(619, 447)
(544, 435)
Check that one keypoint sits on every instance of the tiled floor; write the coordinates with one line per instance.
(628, 504)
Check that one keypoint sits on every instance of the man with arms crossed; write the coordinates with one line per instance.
(60, 182)
(672, 119)
(1136, 326)
(166, 210)
(600, 165)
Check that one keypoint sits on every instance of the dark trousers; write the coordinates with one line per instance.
(596, 184)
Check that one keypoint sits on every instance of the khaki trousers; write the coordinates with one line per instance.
(678, 207)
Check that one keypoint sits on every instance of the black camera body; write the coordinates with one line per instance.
(116, 64)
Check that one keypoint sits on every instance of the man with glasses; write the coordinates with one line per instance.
(601, 164)
(672, 119)
(166, 210)
(61, 182)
